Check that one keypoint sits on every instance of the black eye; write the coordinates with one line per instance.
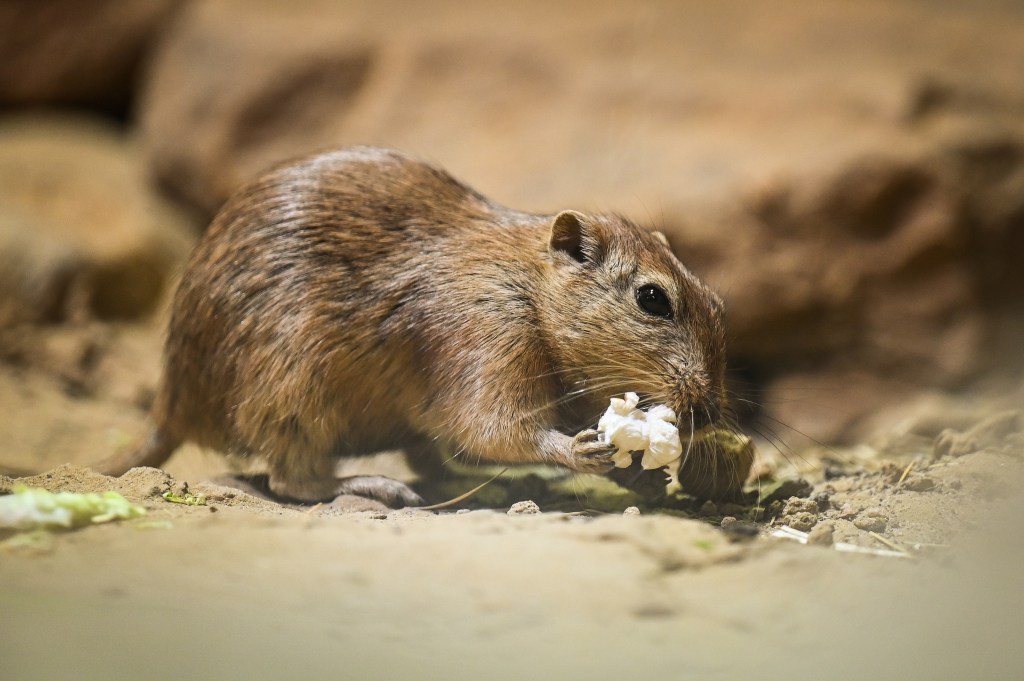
(653, 301)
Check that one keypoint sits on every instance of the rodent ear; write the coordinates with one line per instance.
(575, 235)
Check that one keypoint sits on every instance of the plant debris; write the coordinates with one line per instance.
(31, 508)
(187, 498)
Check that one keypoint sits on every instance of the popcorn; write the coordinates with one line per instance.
(630, 429)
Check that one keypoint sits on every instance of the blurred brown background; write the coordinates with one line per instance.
(850, 175)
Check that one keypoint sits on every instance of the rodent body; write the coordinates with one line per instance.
(359, 300)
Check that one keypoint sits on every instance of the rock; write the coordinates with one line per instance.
(920, 483)
(739, 530)
(708, 508)
(717, 466)
(821, 534)
(453, 85)
(799, 505)
(81, 233)
(631, 511)
(870, 523)
(802, 521)
(991, 432)
(75, 52)
(524, 508)
(784, 489)
(848, 511)
(858, 234)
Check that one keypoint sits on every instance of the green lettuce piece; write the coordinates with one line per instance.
(187, 498)
(32, 508)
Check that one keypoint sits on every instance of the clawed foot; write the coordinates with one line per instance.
(388, 491)
(590, 454)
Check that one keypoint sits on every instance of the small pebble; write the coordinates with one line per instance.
(833, 472)
(709, 508)
(821, 534)
(631, 510)
(738, 530)
(921, 483)
(524, 508)
(848, 511)
(798, 505)
(870, 524)
(801, 521)
(463, 511)
(789, 488)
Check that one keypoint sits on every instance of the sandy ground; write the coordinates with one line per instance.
(245, 588)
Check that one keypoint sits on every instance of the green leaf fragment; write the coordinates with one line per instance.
(31, 508)
(188, 498)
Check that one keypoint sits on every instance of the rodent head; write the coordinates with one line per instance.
(623, 314)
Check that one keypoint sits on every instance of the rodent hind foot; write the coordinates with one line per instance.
(388, 491)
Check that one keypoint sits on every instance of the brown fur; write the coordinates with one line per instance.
(360, 300)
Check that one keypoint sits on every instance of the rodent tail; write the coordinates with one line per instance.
(154, 451)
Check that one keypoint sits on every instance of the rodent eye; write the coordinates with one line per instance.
(653, 301)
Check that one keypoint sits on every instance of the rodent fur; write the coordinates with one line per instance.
(360, 300)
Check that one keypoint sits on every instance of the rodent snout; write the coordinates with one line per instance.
(698, 404)
(700, 415)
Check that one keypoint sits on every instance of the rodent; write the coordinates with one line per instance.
(360, 300)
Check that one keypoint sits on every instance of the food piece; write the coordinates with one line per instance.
(33, 508)
(714, 465)
(717, 465)
(653, 432)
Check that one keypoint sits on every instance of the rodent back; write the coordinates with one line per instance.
(346, 269)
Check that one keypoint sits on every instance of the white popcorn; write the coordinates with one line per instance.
(631, 429)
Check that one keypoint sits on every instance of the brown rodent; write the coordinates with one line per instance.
(360, 300)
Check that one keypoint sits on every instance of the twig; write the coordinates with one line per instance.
(891, 544)
(906, 472)
(787, 532)
(853, 548)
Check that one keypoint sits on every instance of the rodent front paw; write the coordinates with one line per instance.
(591, 454)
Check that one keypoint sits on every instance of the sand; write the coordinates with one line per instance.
(243, 587)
